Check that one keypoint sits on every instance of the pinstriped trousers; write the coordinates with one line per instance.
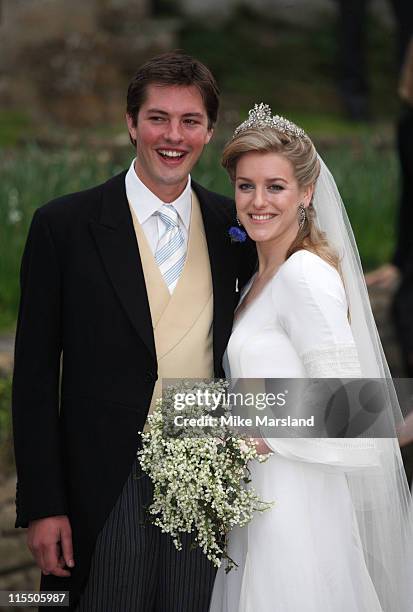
(136, 568)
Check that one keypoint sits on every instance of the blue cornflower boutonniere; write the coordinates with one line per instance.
(237, 234)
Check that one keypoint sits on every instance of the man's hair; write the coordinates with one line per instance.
(174, 68)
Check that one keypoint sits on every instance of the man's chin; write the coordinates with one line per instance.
(173, 180)
(174, 175)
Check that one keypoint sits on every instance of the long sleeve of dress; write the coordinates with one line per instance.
(309, 298)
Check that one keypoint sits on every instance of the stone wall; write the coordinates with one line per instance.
(72, 61)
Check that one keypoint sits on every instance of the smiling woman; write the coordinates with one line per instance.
(341, 524)
(274, 174)
(267, 205)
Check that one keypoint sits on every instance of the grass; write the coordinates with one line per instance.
(15, 127)
(31, 177)
(5, 401)
(6, 452)
(366, 175)
(368, 182)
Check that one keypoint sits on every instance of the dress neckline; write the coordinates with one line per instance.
(245, 292)
(248, 286)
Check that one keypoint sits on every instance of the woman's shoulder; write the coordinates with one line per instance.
(306, 265)
(306, 273)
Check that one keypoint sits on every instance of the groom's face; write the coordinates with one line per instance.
(171, 131)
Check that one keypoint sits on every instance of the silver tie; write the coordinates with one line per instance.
(170, 251)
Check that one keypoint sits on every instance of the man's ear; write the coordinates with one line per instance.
(209, 135)
(131, 126)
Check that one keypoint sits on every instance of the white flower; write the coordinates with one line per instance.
(199, 481)
(15, 216)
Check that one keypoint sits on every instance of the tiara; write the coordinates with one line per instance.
(261, 116)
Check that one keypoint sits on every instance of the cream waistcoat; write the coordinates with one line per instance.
(182, 322)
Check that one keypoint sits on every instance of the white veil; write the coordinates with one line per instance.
(381, 497)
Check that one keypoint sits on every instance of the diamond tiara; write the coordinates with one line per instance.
(261, 116)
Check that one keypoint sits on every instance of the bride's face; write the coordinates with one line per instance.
(267, 196)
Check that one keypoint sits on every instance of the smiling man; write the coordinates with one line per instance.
(170, 131)
(124, 284)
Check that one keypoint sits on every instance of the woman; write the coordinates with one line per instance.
(338, 537)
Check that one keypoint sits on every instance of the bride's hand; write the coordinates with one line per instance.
(261, 446)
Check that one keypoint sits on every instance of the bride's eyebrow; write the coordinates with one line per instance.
(269, 180)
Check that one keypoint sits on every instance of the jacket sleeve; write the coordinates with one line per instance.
(35, 400)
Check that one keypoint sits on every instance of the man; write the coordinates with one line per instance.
(128, 282)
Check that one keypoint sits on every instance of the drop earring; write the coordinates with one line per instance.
(302, 215)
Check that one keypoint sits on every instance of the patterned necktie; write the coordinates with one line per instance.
(170, 252)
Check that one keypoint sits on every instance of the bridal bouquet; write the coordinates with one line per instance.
(199, 476)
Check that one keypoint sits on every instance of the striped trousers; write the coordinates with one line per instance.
(136, 568)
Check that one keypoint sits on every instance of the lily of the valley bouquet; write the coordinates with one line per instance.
(200, 473)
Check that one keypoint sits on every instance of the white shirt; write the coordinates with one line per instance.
(145, 203)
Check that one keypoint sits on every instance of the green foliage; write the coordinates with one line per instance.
(5, 408)
(30, 178)
(367, 178)
(6, 451)
(15, 126)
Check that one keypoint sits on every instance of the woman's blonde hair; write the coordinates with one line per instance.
(303, 156)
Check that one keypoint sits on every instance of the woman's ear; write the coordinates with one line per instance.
(307, 195)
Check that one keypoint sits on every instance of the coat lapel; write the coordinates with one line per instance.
(223, 268)
(116, 241)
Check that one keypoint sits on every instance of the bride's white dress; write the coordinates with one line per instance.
(305, 554)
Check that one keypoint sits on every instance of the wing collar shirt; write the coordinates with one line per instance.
(145, 204)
